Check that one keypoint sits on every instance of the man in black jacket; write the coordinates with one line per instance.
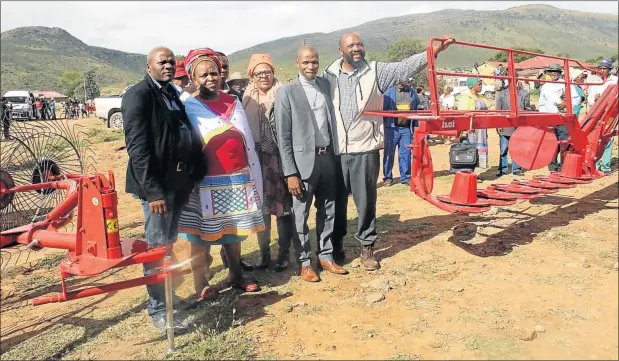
(165, 161)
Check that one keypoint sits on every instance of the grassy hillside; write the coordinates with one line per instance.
(35, 57)
(582, 35)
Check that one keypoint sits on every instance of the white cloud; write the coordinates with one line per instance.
(136, 26)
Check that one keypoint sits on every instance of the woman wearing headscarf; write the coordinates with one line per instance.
(226, 205)
(472, 101)
(258, 100)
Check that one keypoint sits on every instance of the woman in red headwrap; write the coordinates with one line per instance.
(226, 206)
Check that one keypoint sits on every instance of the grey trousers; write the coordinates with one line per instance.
(357, 174)
(322, 186)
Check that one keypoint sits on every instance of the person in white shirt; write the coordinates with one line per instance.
(595, 91)
(552, 100)
(447, 99)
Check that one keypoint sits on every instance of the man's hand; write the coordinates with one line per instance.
(158, 207)
(561, 106)
(596, 97)
(444, 44)
(295, 187)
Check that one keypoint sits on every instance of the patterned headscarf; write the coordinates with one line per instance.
(197, 56)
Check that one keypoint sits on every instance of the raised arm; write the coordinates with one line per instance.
(138, 137)
(389, 74)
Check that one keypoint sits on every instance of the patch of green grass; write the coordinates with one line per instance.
(51, 261)
(49, 344)
(311, 310)
(418, 326)
(29, 283)
(233, 344)
(403, 356)
(500, 348)
(610, 253)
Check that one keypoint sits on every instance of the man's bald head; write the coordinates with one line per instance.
(161, 65)
(308, 62)
(352, 50)
(355, 37)
(306, 49)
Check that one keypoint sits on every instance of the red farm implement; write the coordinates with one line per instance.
(533, 145)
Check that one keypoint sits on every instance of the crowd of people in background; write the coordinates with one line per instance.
(77, 108)
(398, 132)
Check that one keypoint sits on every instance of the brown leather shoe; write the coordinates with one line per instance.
(333, 267)
(369, 259)
(308, 274)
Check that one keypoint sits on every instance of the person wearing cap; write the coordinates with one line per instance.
(181, 79)
(552, 100)
(165, 162)
(258, 101)
(358, 86)
(398, 132)
(603, 165)
(236, 82)
(471, 100)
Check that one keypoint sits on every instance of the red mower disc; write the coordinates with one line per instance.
(532, 147)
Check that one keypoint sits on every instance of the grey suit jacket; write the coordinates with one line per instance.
(294, 121)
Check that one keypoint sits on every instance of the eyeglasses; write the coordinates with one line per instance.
(265, 74)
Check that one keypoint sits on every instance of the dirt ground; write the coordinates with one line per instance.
(537, 280)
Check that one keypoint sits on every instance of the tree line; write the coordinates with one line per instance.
(73, 84)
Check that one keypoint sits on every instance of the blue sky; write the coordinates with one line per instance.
(228, 25)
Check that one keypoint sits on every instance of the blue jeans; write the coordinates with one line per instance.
(160, 230)
(400, 137)
(604, 163)
(504, 161)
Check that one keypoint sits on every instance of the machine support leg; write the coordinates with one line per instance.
(169, 305)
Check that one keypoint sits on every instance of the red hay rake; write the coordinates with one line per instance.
(533, 144)
(96, 246)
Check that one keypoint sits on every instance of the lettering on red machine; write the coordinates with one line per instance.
(111, 225)
(448, 125)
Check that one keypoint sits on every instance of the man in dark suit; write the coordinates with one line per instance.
(165, 161)
(304, 118)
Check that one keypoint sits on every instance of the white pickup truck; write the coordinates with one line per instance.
(21, 103)
(108, 109)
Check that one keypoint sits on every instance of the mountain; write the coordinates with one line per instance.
(35, 57)
(580, 34)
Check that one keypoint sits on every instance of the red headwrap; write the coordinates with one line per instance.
(195, 54)
(180, 69)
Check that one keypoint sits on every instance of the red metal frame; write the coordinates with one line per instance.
(96, 246)
(587, 140)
